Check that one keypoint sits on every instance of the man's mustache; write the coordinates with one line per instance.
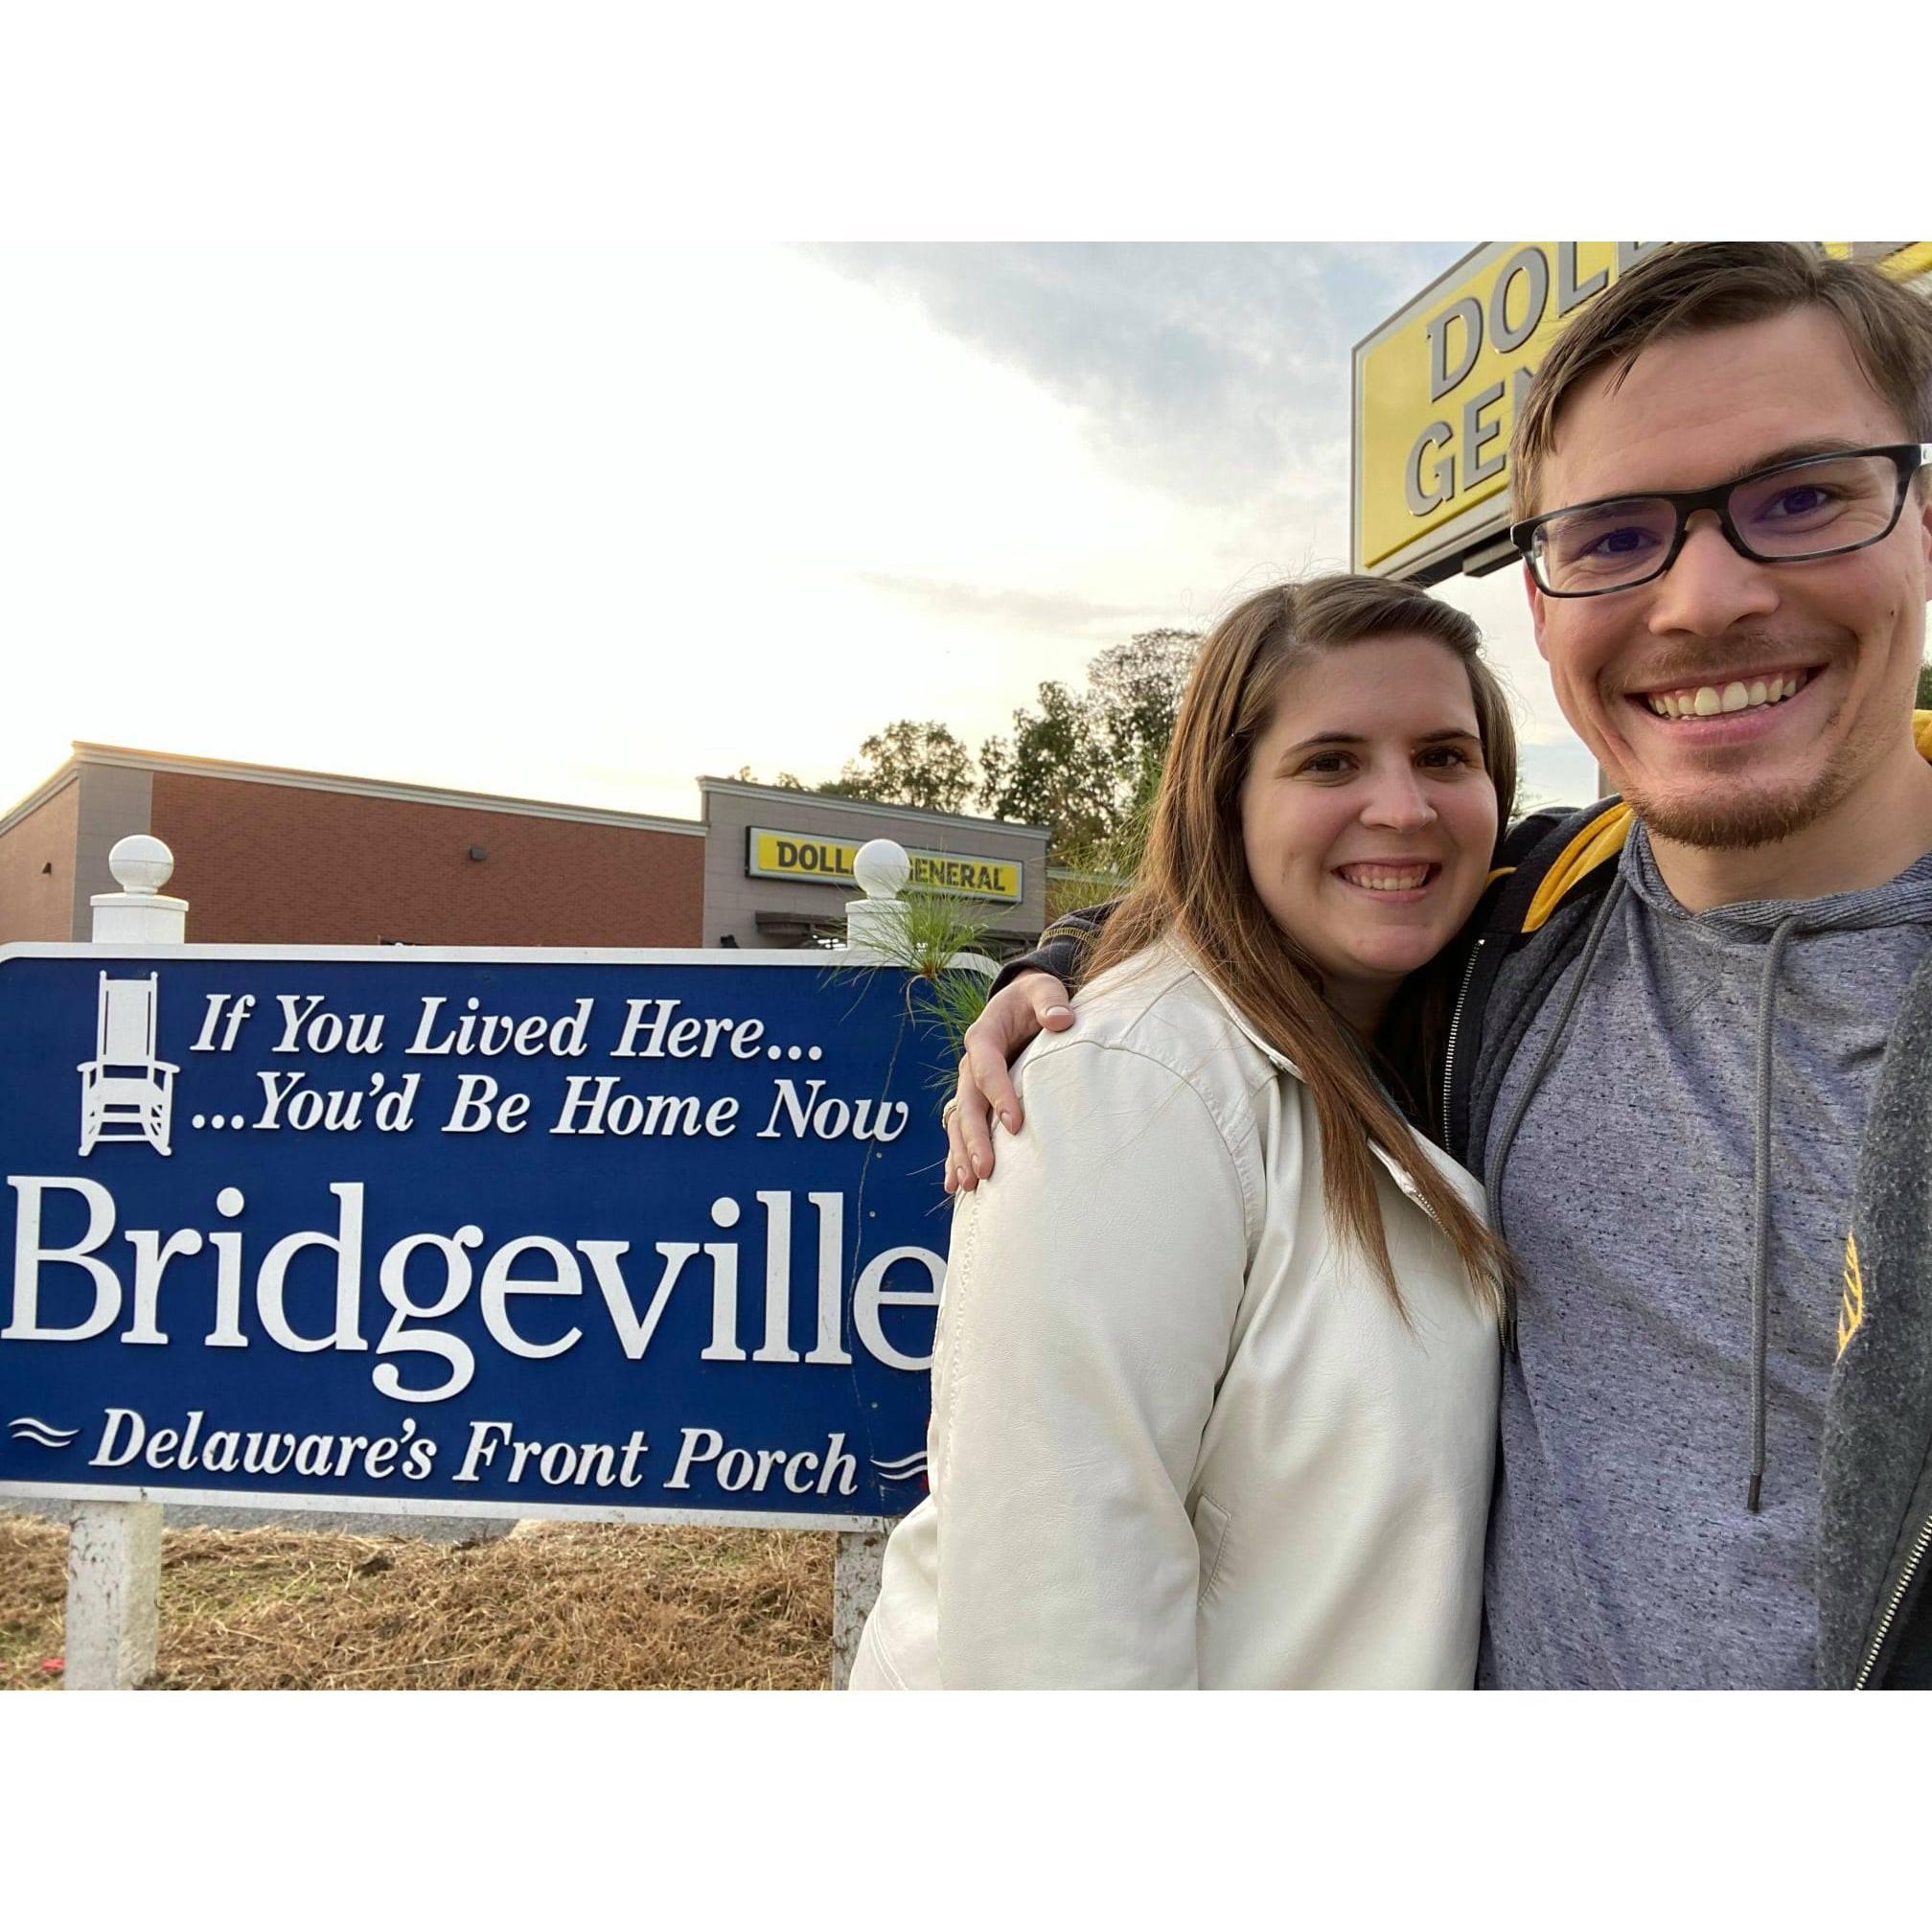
(1732, 651)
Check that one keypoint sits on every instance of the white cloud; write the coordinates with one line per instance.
(585, 523)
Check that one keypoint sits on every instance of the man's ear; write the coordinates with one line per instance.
(1925, 532)
(1538, 608)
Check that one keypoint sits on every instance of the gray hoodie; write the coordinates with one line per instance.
(1671, 1147)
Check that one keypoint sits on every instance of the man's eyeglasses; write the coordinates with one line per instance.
(1817, 506)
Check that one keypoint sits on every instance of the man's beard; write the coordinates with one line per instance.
(1729, 814)
(1740, 819)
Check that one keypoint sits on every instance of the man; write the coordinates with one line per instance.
(1695, 1046)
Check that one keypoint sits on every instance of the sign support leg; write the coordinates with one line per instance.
(855, 1588)
(114, 1596)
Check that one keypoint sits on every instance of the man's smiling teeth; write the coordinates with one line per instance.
(1708, 701)
(1386, 878)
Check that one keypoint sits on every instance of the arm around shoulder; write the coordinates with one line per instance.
(1061, 947)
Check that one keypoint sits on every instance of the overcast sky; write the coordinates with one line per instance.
(582, 524)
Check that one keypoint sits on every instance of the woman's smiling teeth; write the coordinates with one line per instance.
(1709, 700)
(1387, 878)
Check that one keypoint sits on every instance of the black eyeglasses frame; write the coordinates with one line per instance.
(1909, 458)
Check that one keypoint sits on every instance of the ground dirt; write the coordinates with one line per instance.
(555, 1606)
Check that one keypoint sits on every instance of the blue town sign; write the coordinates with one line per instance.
(483, 1232)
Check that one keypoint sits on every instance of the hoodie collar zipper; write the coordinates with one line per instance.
(1455, 1028)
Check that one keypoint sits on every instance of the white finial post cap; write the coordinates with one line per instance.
(141, 864)
(882, 869)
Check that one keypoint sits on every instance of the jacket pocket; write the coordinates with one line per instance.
(1210, 1532)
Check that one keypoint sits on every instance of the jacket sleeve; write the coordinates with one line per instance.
(1089, 1310)
(1061, 947)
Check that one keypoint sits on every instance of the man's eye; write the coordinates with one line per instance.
(1796, 502)
(1608, 539)
(1625, 542)
(1802, 500)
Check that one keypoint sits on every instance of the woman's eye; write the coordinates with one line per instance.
(1326, 763)
(1446, 756)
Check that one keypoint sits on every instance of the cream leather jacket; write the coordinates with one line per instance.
(1180, 1435)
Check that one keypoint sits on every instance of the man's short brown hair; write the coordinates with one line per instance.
(1689, 287)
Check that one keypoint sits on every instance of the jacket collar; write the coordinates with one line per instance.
(1185, 956)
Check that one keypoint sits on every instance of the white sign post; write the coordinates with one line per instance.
(875, 928)
(114, 1549)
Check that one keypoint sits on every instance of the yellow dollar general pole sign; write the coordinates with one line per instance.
(828, 862)
(1437, 385)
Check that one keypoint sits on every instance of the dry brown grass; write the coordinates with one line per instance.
(557, 1607)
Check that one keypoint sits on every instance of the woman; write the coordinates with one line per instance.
(1215, 1383)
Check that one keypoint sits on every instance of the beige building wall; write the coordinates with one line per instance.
(115, 801)
(743, 911)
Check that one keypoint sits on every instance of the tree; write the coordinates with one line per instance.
(1137, 692)
(1926, 686)
(1054, 770)
(1089, 765)
(908, 763)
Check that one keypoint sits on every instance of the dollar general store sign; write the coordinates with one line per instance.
(1437, 386)
(828, 862)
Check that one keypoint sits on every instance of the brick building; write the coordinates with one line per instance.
(267, 856)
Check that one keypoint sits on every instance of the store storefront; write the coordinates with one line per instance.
(778, 865)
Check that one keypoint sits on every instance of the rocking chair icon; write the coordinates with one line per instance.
(126, 1093)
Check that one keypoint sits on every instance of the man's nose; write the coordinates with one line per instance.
(1711, 586)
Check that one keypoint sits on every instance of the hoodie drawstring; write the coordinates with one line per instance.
(1760, 1269)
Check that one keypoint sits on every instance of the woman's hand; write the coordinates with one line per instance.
(993, 1043)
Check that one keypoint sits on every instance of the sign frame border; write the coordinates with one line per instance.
(404, 1508)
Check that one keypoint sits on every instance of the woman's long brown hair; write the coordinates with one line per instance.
(1193, 883)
